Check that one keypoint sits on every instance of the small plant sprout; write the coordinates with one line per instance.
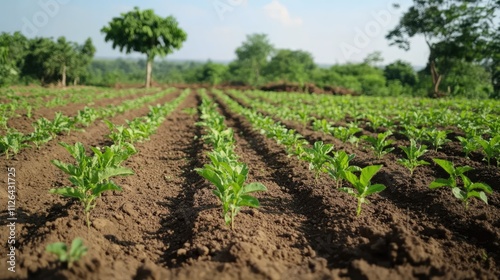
(12, 142)
(339, 165)
(362, 185)
(437, 138)
(380, 145)
(491, 148)
(74, 254)
(91, 175)
(469, 145)
(470, 189)
(413, 153)
(318, 157)
(229, 178)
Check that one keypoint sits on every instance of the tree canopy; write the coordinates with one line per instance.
(453, 30)
(147, 33)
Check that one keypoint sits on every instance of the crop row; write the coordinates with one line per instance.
(225, 171)
(91, 176)
(474, 140)
(323, 159)
(46, 130)
(28, 105)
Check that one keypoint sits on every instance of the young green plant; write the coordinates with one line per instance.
(74, 254)
(413, 153)
(339, 165)
(469, 189)
(91, 175)
(380, 144)
(362, 187)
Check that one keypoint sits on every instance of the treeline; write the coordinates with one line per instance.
(43, 60)
(463, 37)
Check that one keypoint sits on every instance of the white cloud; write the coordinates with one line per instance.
(279, 12)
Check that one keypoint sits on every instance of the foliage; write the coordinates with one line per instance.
(362, 185)
(74, 254)
(380, 144)
(229, 178)
(318, 157)
(412, 154)
(251, 58)
(491, 148)
(13, 142)
(290, 66)
(147, 33)
(469, 189)
(452, 29)
(340, 165)
(91, 175)
(401, 71)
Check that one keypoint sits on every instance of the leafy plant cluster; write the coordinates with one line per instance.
(225, 171)
(45, 130)
(141, 128)
(68, 255)
(91, 175)
(320, 156)
(481, 134)
(461, 186)
(416, 119)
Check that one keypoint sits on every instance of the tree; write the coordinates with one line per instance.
(147, 33)
(401, 71)
(63, 57)
(84, 56)
(289, 65)
(212, 73)
(12, 52)
(37, 63)
(252, 57)
(452, 29)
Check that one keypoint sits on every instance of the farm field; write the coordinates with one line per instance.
(166, 223)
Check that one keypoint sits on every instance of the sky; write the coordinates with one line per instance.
(332, 31)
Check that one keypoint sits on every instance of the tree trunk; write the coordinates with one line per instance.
(436, 80)
(149, 70)
(63, 81)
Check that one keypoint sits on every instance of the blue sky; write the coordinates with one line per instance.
(332, 31)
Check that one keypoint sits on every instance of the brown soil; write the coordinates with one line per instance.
(166, 223)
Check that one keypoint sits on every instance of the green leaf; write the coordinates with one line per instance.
(367, 173)
(60, 249)
(481, 186)
(463, 169)
(77, 249)
(113, 171)
(109, 186)
(349, 176)
(254, 187)
(440, 182)
(247, 200)
(446, 165)
(68, 192)
(374, 189)
(458, 193)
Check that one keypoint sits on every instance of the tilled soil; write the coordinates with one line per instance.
(166, 223)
